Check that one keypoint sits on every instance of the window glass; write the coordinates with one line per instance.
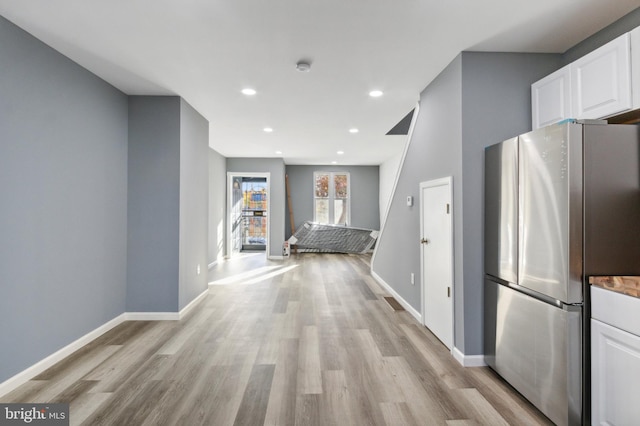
(322, 210)
(340, 212)
(331, 198)
(341, 184)
(322, 186)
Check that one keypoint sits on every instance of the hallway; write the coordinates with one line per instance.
(306, 341)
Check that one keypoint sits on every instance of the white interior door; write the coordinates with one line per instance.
(436, 212)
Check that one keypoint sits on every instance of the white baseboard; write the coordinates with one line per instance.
(152, 316)
(468, 360)
(37, 368)
(272, 257)
(31, 372)
(417, 315)
(193, 303)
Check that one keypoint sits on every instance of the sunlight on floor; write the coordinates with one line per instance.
(254, 276)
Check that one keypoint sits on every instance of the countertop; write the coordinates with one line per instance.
(620, 284)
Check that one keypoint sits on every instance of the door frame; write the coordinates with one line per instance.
(230, 176)
(445, 181)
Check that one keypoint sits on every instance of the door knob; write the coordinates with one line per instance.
(424, 241)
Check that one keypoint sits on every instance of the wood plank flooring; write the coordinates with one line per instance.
(307, 341)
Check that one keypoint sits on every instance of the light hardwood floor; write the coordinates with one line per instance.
(307, 341)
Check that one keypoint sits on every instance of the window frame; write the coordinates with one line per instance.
(331, 196)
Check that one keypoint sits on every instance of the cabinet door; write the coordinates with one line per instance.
(551, 98)
(615, 369)
(635, 67)
(601, 80)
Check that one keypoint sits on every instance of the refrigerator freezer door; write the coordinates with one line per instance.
(536, 348)
(501, 210)
(550, 212)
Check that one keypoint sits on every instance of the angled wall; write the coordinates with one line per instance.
(434, 151)
(478, 100)
(63, 186)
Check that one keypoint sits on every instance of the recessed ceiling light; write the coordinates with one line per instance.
(268, 129)
(249, 91)
(278, 152)
(353, 130)
(340, 152)
(334, 162)
(303, 66)
(375, 93)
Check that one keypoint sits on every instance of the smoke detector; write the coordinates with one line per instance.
(303, 66)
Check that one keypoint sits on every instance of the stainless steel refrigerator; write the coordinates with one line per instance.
(561, 203)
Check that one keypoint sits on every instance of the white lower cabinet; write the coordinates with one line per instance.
(615, 376)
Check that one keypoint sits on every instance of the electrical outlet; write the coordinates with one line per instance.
(413, 279)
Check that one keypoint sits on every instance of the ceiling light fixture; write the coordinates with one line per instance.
(278, 152)
(303, 66)
(268, 129)
(353, 130)
(375, 93)
(249, 91)
(334, 162)
(340, 152)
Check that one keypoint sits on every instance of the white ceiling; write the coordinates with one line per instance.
(208, 50)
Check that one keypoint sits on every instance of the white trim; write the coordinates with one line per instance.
(193, 303)
(468, 360)
(214, 263)
(395, 183)
(399, 298)
(37, 368)
(272, 257)
(152, 316)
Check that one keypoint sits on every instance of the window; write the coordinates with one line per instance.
(331, 198)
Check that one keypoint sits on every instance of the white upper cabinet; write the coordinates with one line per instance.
(601, 84)
(601, 80)
(551, 98)
(635, 67)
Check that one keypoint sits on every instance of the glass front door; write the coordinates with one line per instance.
(254, 213)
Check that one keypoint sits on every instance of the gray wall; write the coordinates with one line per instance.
(63, 185)
(364, 183)
(154, 204)
(217, 205)
(486, 120)
(275, 166)
(194, 203)
(478, 100)
(621, 26)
